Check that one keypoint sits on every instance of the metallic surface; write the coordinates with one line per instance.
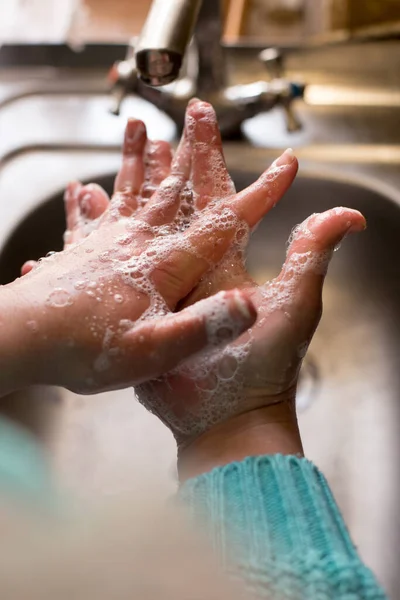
(165, 36)
(163, 46)
(55, 127)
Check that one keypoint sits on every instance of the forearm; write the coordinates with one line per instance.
(18, 343)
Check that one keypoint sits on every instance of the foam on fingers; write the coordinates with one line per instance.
(209, 323)
(93, 201)
(253, 203)
(164, 205)
(311, 246)
(209, 174)
(157, 166)
(322, 231)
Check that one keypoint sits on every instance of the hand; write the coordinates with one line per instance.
(261, 368)
(182, 398)
(82, 306)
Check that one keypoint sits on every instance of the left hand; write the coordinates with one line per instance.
(260, 368)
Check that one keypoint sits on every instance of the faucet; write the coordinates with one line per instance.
(179, 55)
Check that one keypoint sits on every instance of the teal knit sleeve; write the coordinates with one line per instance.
(274, 523)
(25, 475)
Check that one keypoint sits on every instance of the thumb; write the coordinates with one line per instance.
(167, 341)
(311, 247)
(28, 266)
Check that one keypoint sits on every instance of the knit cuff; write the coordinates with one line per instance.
(274, 518)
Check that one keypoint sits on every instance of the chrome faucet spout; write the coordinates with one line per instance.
(157, 59)
(164, 39)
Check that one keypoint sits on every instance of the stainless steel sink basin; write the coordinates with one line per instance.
(350, 386)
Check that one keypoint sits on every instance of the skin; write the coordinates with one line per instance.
(262, 418)
(59, 330)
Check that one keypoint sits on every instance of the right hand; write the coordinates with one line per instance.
(89, 306)
(83, 314)
(261, 368)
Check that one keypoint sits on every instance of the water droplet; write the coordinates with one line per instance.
(227, 367)
(136, 274)
(32, 326)
(80, 285)
(59, 298)
(104, 256)
(209, 383)
(118, 298)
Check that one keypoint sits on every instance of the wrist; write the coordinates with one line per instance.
(270, 429)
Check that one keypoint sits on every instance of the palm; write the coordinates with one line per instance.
(257, 369)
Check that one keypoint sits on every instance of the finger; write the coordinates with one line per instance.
(209, 237)
(28, 266)
(253, 203)
(209, 175)
(157, 166)
(182, 161)
(310, 252)
(170, 340)
(130, 178)
(162, 208)
(92, 201)
(72, 212)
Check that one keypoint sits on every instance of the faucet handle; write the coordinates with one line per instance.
(293, 123)
(273, 60)
(295, 90)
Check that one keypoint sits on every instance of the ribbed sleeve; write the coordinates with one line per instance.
(274, 523)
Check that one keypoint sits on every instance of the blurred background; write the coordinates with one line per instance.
(274, 20)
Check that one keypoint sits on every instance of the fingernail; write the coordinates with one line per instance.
(202, 109)
(356, 227)
(134, 130)
(243, 305)
(287, 158)
(228, 315)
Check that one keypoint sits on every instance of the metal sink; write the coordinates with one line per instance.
(350, 384)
